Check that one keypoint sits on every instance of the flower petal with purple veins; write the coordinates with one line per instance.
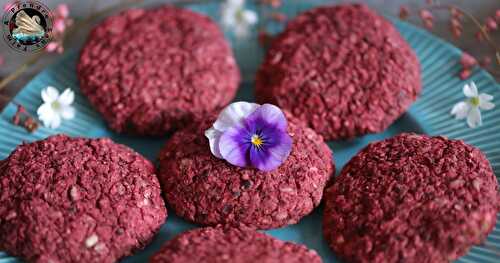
(268, 114)
(234, 145)
(268, 159)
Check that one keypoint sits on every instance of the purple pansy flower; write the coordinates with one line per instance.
(249, 134)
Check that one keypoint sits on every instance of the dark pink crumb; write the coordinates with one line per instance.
(411, 198)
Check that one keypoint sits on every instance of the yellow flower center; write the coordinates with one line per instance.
(474, 101)
(257, 141)
(56, 105)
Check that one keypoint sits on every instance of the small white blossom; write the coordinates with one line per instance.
(472, 106)
(237, 18)
(56, 107)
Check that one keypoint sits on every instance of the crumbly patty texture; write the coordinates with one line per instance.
(209, 191)
(344, 70)
(68, 199)
(236, 245)
(149, 71)
(411, 198)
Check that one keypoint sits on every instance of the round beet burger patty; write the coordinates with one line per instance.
(68, 199)
(345, 70)
(411, 198)
(235, 245)
(148, 71)
(210, 191)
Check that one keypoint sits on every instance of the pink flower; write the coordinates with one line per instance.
(54, 47)
(59, 25)
(491, 24)
(456, 27)
(455, 13)
(426, 14)
(6, 6)
(497, 15)
(485, 62)
(467, 60)
(404, 12)
(62, 10)
(465, 74)
(427, 18)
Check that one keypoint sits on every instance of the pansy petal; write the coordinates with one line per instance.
(67, 97)
(233, 114)
(470, 90)
(213, 136)
(234, 145)
(268, 159)
(486, 105)
(474, 118)
(460, 110)
(269, 115)
(67, 112)
(485, 97)
(50, 94)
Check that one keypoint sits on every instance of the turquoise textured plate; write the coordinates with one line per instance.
(430, 114)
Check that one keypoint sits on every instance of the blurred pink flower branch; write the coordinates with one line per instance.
(456, 19)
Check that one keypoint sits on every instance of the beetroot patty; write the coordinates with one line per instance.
(222, 244)
(77, 200)
(411, 198)
(148, 71)
(209, 191)
(344, 70)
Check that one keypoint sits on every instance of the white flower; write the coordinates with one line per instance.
(233, 114)
(235, 16)
(56, 107)
(472, 106)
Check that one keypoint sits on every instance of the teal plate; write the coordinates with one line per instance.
(430, 115)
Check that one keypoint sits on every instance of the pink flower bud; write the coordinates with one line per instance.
(62, 10)
(465, 74)
(279, 17)
(428, 24)
(456, 31)
(404, 12)
(7, 5)
(425, 14)
(467, 61)
(485, 62)
(491, 24)
(479, 36)
(59, 25)
(497, 15)
(52, 46)
(455, 13)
